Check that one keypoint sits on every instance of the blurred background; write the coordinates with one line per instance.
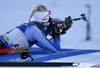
(15, 12)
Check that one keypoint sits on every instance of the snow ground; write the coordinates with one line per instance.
(15, 12)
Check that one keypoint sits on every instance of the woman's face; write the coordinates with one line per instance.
(44, 23)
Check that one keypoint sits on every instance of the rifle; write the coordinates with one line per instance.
(62, 24)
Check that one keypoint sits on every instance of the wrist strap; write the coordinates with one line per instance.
(56, 37)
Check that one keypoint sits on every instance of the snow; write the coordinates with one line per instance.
(15, 12)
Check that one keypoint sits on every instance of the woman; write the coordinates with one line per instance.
(33, 32)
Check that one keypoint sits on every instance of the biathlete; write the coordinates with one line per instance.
(34, 32)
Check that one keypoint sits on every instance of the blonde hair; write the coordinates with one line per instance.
(39, 8)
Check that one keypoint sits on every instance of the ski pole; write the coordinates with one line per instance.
(88, 26)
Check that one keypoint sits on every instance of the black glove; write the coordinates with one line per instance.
(69, 23)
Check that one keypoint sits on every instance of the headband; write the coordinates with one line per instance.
(41, 16)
